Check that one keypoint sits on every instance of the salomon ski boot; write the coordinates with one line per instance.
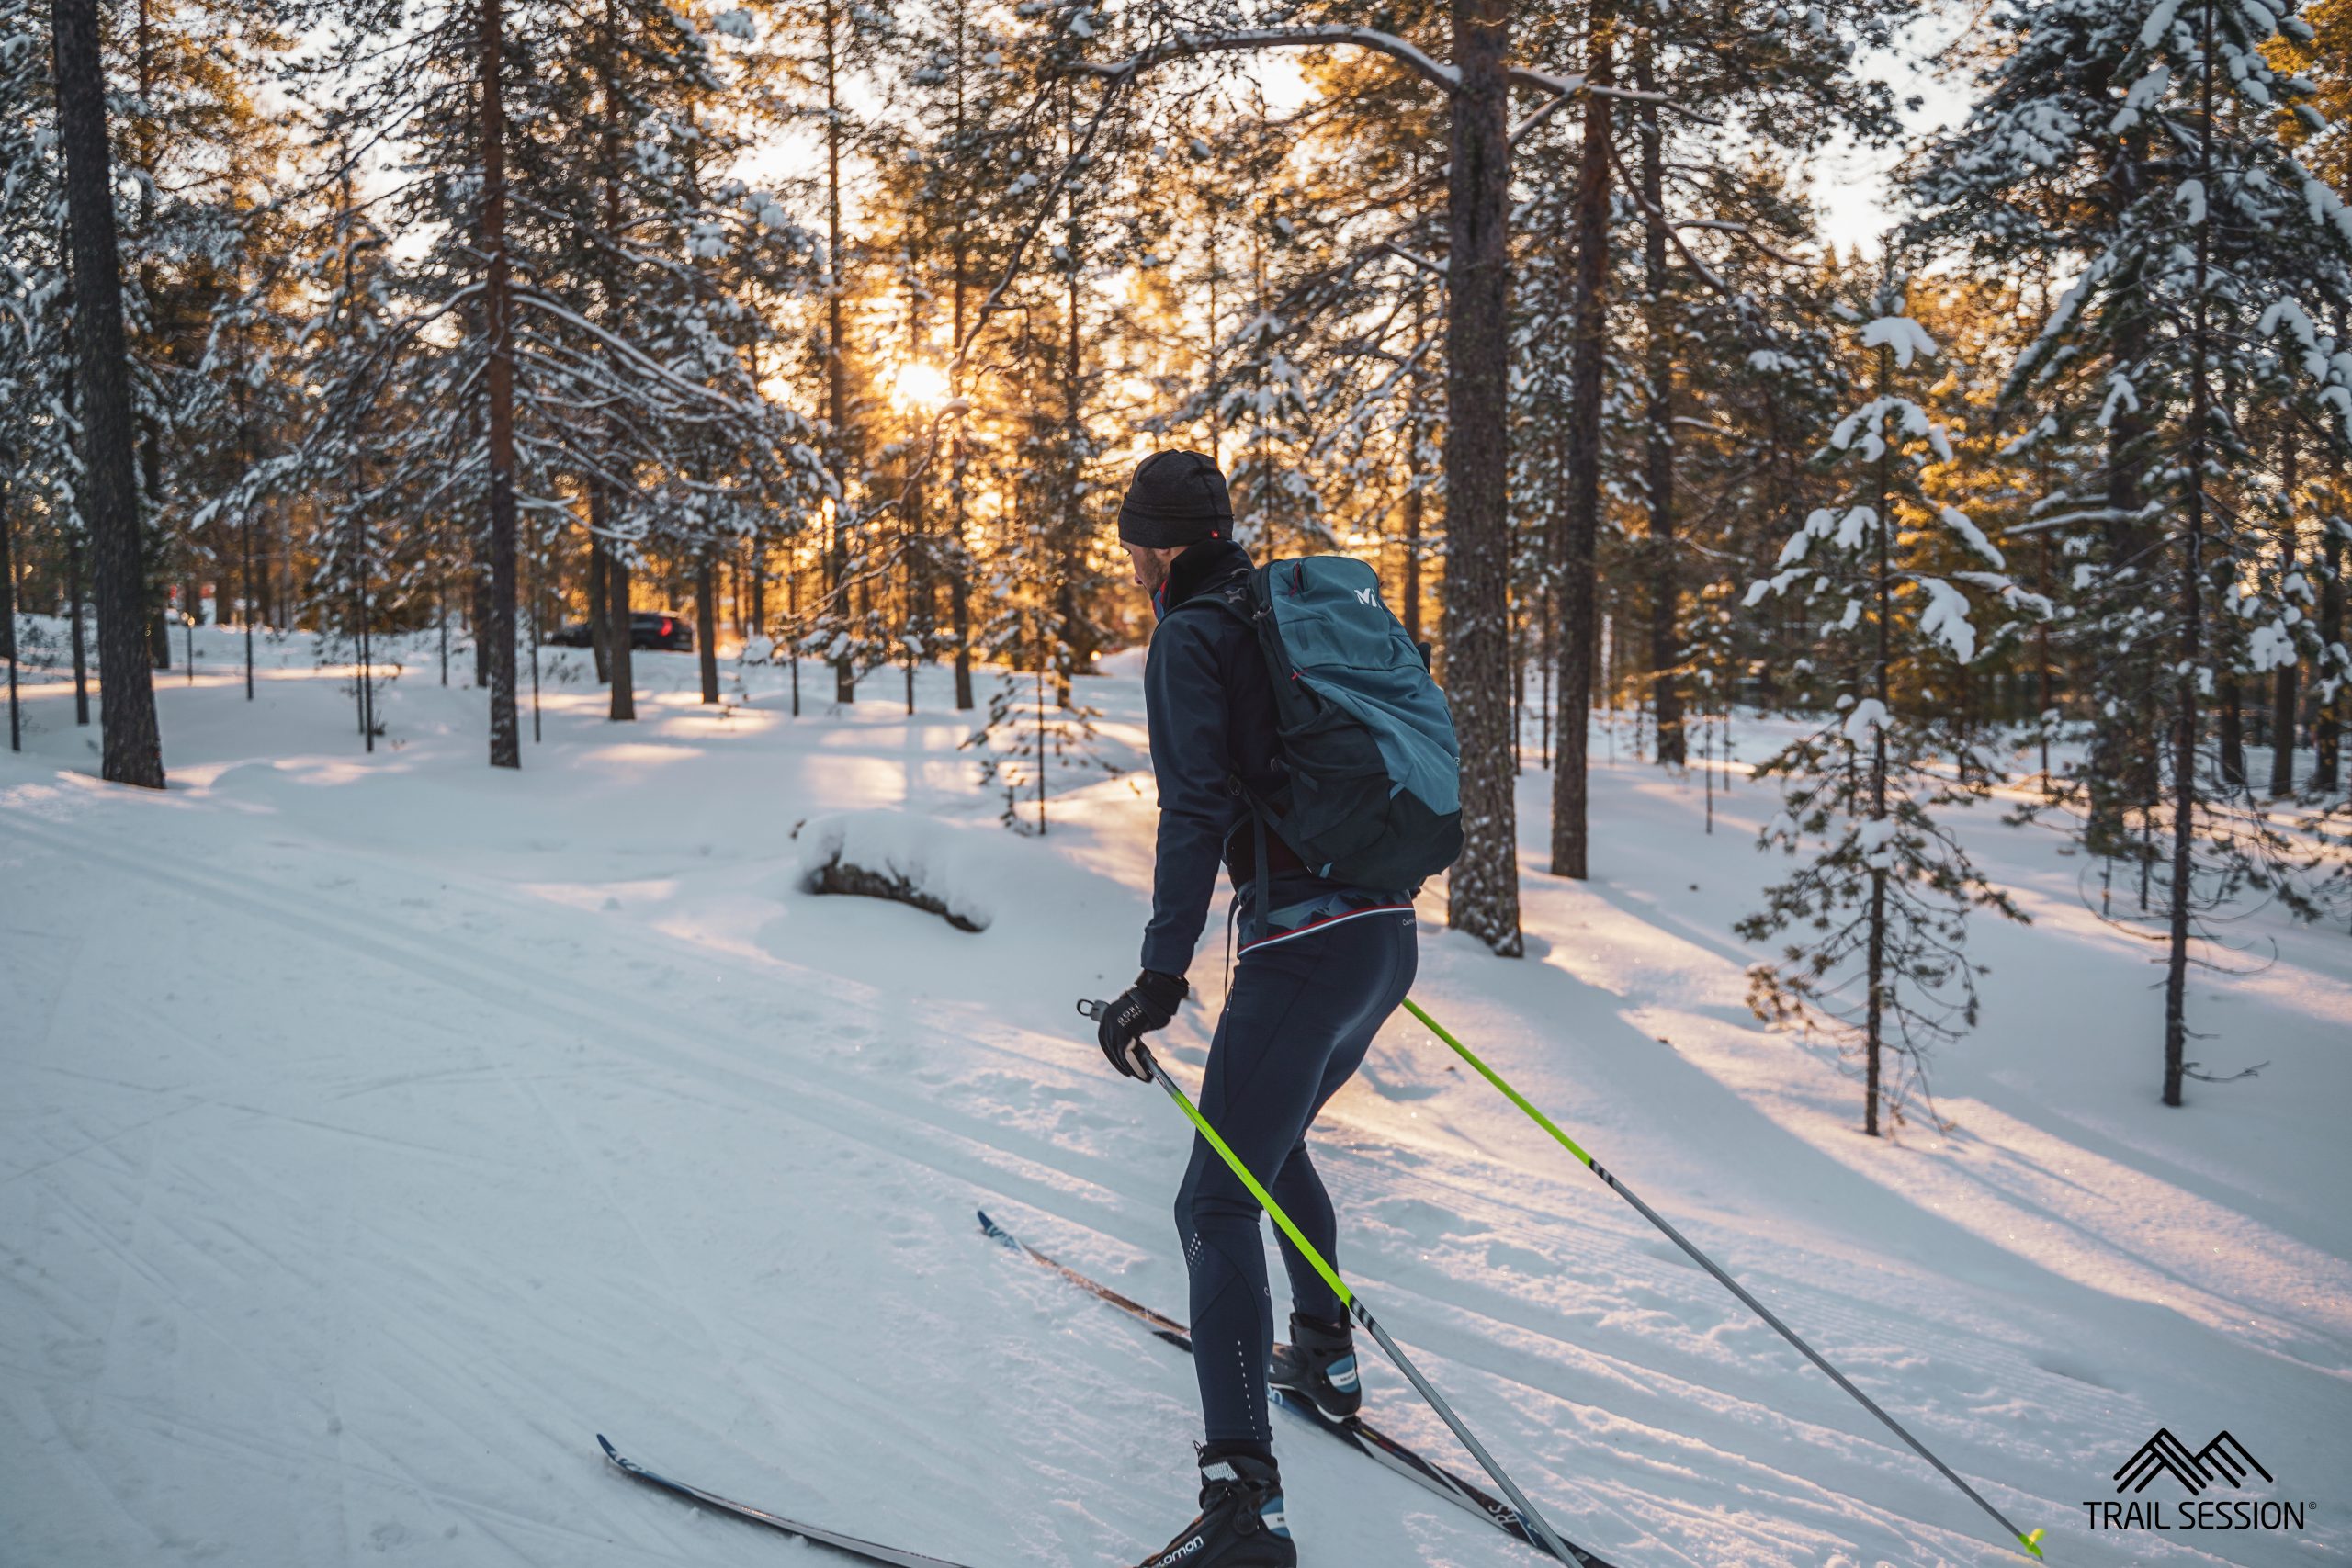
(1242, 1523)
(1319, 1363)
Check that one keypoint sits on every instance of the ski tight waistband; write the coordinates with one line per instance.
(1324, 922)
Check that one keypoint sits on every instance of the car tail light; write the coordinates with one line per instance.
(666, 624)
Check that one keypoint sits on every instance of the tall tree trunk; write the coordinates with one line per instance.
(2283, 688)
(148, 438)
(758, 569)
(156, 570)
(132, 748)
(81, 632)
(2285, 691)
(792, 619)
(1666, 645)
(2327, 726)
(1580, 537)
(1416, 430)
(364, 630)
(621, 636)
(1881, 687)
(600, 581)
(498, 628)
(1412, 587)
(706, 625)
(8, 554)
(1563, 649)
(2045, 691)
(2231, 733)
(920, 618)
(2191, 620)
(1077, 652)
(245, 585)
(2123, 767)
(1484, 900)
(836, 361)
(960, 585)
(8, 599)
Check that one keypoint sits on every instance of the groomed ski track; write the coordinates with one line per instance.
(377, 1130)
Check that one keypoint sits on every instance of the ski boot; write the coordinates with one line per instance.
(1319, 1363)
(1242, 1523)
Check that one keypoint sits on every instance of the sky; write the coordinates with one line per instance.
(1853, 183)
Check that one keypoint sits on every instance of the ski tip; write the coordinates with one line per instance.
(605, 1443)
(2032, 1541)
(986, 1223)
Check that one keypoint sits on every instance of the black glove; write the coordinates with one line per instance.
(1142, 1007)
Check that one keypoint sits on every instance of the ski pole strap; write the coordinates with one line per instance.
(2029, 1539)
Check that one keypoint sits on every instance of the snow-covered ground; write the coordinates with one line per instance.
(375, 1129)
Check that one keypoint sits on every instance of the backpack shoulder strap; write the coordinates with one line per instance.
(1234, 600)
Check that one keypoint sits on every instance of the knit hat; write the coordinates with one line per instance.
(1176, 498)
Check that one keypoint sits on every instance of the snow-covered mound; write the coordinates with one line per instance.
(948, 868)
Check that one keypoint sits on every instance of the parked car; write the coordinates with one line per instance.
(647, 628)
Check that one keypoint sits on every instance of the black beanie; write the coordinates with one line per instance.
(1176, 498)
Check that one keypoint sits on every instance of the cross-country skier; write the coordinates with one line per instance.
(1322, 965)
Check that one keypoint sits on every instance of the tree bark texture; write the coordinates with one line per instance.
(836, 363)
(1484, 888)
(81, 635)
(1578, 538)
(498, 628)
(132, 747)
(707, 627)
(600, 577)
(1666, 644)
(623, 708)
(2327, 726)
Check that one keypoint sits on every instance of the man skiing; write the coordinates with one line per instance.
(1322, 965)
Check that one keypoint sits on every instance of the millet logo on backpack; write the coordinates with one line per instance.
(2224, 1462)
(1364, 595)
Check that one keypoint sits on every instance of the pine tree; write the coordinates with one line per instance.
(2148, 149)
(1881, 898)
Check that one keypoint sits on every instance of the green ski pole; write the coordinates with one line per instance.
(2029, 1539)
(1527, 1512)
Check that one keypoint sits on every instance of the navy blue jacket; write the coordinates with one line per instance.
(1212, 717)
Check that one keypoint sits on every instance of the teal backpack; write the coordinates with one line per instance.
(1372, 796)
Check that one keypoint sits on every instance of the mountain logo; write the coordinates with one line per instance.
(2226, 1459)
(2224, 1462)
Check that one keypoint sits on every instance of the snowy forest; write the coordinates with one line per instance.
(1886, 461)
(839, 325)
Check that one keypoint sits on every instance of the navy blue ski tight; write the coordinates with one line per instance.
(1299, 1017)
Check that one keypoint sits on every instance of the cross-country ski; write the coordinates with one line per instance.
(1351, 1429)
(847, 1545)
(1612, 736)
